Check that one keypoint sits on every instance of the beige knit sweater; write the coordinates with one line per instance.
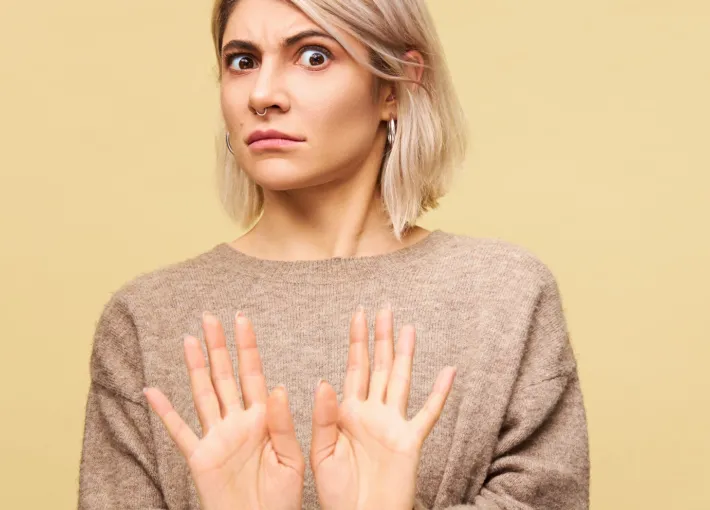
(513, 433)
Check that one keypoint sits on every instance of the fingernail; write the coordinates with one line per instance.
(207, 316)
(360, 309)
(317, 385)
(240, 317)
(385, 311)
(452, 376)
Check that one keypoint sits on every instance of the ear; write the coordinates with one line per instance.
(413, 72)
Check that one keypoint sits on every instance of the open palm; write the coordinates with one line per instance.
(248, 457)
(364, 452)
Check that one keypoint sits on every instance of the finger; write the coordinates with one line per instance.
(357, 376)
(251, 374)
(401, 374)
(324, 430)
(178, 430)
(206, 403)
(221, 368)
(427, 417)
(282, 430)
(384, 354)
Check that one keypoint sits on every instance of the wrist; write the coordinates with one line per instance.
(390, 502)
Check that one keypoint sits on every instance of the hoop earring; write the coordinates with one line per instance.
(391, 131)
(229, 147)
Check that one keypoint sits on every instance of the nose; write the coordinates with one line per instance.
(268, 90)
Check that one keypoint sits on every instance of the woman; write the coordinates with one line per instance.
(342, 128)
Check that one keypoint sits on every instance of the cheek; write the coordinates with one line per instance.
(231, 106)
(340, 117)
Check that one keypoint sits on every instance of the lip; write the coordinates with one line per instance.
(271, 137)
(272, 143)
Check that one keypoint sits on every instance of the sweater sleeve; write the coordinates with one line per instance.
(118, 468)
(541, 461)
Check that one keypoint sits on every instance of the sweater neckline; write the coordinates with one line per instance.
(331, 269)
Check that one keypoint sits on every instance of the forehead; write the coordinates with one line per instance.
(268, 22)
(264, 17)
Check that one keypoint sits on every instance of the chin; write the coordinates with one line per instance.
(281, 175)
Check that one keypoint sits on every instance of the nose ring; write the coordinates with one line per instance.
(261, 114)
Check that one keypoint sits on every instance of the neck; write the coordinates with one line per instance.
(340, 218)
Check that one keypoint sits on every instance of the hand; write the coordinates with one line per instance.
(248, 458)
(364, 453)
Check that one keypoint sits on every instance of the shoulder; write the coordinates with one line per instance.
(513, 290)
(133, 308)
(158, 287)
(496, 261)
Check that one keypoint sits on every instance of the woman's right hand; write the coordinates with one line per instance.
(248, 458)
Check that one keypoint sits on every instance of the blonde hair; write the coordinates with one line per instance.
(431, 137)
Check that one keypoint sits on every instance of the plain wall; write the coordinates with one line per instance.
(589, 132)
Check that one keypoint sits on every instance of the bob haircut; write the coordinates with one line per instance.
(431, 139)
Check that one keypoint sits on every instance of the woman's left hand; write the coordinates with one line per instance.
(364, 452)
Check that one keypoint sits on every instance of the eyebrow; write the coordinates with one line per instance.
(238, 44)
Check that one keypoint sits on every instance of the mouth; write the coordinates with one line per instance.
(273, 143)
(272, 139)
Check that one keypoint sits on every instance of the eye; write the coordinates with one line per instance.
(240, 61)
(314, 56)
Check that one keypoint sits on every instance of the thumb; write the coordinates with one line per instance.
(324, 433)
(279, 423)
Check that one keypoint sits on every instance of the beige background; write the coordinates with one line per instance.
(589, 125)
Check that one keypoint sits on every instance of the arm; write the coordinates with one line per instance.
(118, 468)
(541, 461)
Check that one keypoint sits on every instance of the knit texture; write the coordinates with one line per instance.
(513, 433)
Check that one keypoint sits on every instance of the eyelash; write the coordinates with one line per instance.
(229, 56)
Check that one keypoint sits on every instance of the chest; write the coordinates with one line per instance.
(456, 453)
(297, 353)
